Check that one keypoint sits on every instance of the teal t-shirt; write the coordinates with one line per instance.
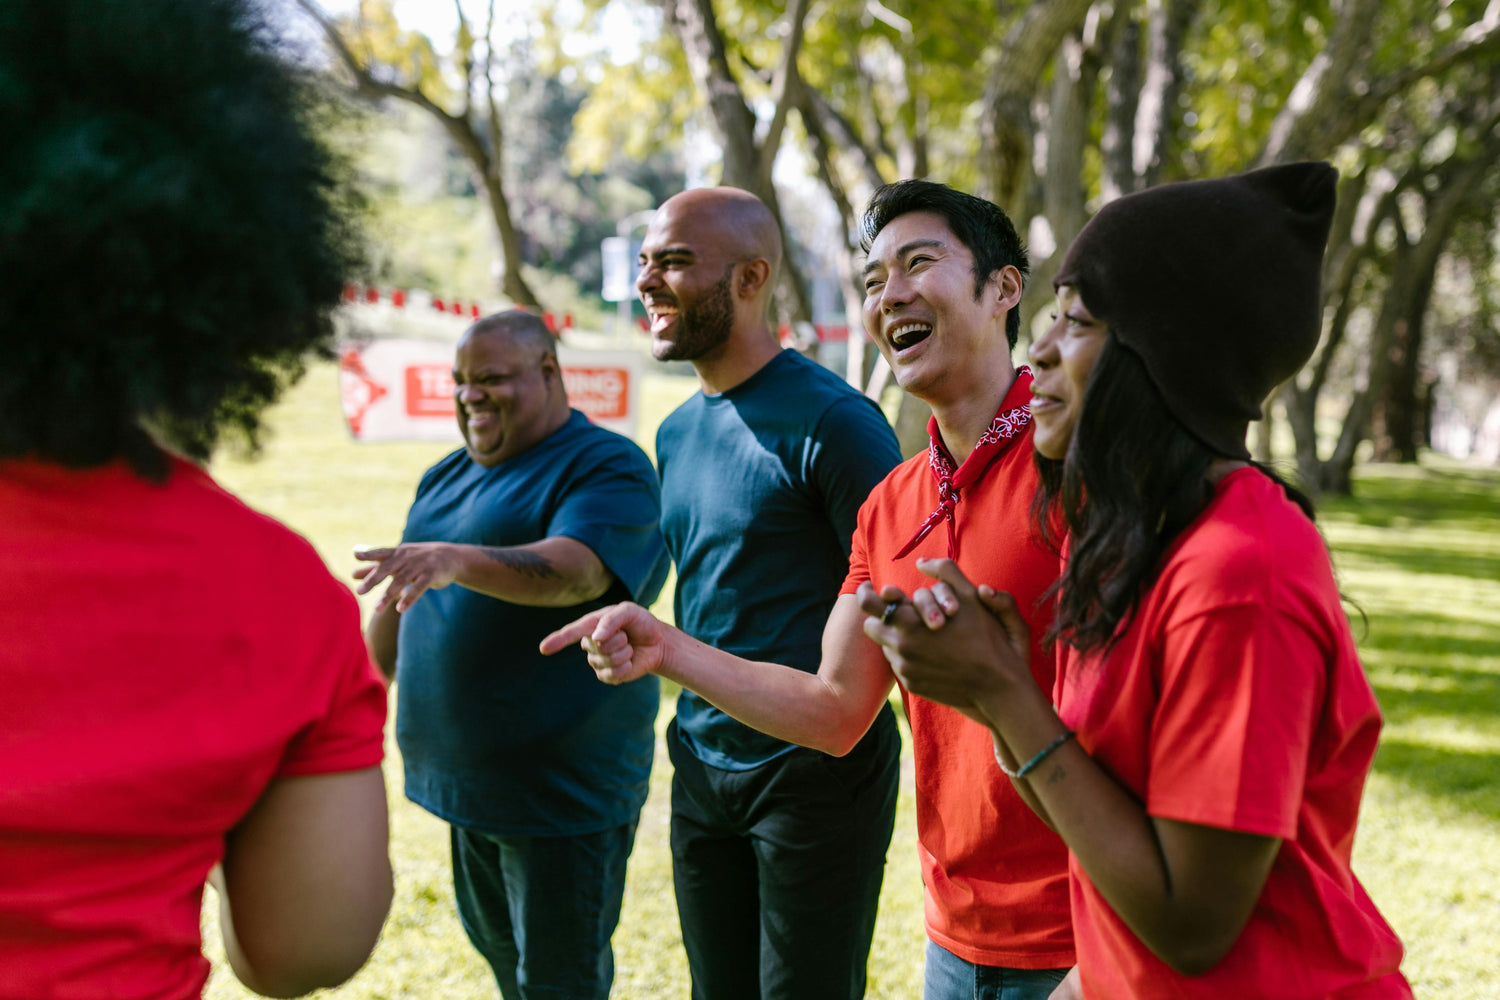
(493, 735)
(761, 486)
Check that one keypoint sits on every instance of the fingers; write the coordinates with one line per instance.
(409, 595)
(572, 632)
(869, 601)
(930, 609)
(948, 572)
(1003, 606)
(373, 555)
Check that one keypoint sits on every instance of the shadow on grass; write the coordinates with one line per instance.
(1427, 559)
(1430, 634)
(1440, 693)
(1468, 779)
(1392, 496)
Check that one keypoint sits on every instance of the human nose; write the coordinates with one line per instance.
(1043, 352)
(648, 278)
(468, 392)
(895, 292)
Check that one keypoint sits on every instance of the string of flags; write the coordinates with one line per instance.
(401, 298)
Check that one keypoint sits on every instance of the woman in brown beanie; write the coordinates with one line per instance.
(1213, 726)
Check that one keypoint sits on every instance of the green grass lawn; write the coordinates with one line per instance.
(1418, 552)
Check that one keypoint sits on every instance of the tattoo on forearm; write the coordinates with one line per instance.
(528, 564)
(1057, 775)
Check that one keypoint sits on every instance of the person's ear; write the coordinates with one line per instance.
(1005, 289)
(550, 368)
(754, 274)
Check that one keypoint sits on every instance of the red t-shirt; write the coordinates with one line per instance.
(165, 653)
(996, 877)
(1235, 700)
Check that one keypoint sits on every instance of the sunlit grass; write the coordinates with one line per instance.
(1418, 551)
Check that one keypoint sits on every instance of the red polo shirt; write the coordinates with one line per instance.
(996, 877)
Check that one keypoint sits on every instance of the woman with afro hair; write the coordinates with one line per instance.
(186, 691)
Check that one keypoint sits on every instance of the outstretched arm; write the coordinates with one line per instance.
(1184, 889)
(556, 572)
(828, 711)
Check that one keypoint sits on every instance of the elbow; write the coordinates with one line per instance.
(1195, 954)
(838, 741)
(316, 958)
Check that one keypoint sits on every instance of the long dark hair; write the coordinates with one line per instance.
(1132, 481)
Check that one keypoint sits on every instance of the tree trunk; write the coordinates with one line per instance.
(1006, 122)
(1411, 277)
(512, 283)
(1121, 97)
(747, 163)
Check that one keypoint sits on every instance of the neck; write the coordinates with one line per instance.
(746, 352)
(1221, 467)
(962, 420)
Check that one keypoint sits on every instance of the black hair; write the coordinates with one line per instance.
(172, 235)
(1132, 481)
(979, 225)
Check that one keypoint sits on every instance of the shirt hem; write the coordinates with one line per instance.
(1005, 958)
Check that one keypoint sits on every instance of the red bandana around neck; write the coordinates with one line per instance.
(1008, 423)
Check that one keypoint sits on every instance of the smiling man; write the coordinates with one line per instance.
(777, 851)
(540, 770)
(942, 283)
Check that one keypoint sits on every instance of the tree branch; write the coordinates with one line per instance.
(783, 87)
(365, 83)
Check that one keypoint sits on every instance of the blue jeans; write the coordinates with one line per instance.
(948, 977)
(541, 909)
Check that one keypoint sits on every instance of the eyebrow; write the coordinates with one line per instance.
(905, 249)
(668, 251)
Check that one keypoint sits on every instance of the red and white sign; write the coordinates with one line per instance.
(402, 390)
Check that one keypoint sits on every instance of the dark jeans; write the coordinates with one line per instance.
(541, 909)
(778, 868)
(948, 977)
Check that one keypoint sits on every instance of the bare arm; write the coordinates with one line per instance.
(380, 640)
(307, 882)
(1184, 889)
(828, 711)
(556, 572)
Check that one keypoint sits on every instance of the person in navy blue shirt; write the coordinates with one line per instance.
(540, 770)
(778, 851)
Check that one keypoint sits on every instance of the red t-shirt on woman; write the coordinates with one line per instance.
(165, 654)
(1235, 700)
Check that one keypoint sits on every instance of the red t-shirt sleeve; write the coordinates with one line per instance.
(1231, 736)
(348, 733)
(859, 548)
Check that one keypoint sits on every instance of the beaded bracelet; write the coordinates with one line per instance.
(1032, 764)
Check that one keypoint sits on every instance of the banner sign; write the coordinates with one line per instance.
(402, 390)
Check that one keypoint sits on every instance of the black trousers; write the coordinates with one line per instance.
(778, 869)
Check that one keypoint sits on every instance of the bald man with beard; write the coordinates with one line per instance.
(778, 850)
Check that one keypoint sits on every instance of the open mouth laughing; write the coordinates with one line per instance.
(909, 334)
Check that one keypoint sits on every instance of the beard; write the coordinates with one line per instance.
(702, 325)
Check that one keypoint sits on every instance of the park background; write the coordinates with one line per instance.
(497, 144)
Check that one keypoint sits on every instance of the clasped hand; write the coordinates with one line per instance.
(951, 642)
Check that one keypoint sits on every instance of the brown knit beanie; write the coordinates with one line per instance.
(1214, 285)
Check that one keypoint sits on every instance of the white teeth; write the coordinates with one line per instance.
(908, 333)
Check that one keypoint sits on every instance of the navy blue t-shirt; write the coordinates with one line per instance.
(495, 736)
(761, 486)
